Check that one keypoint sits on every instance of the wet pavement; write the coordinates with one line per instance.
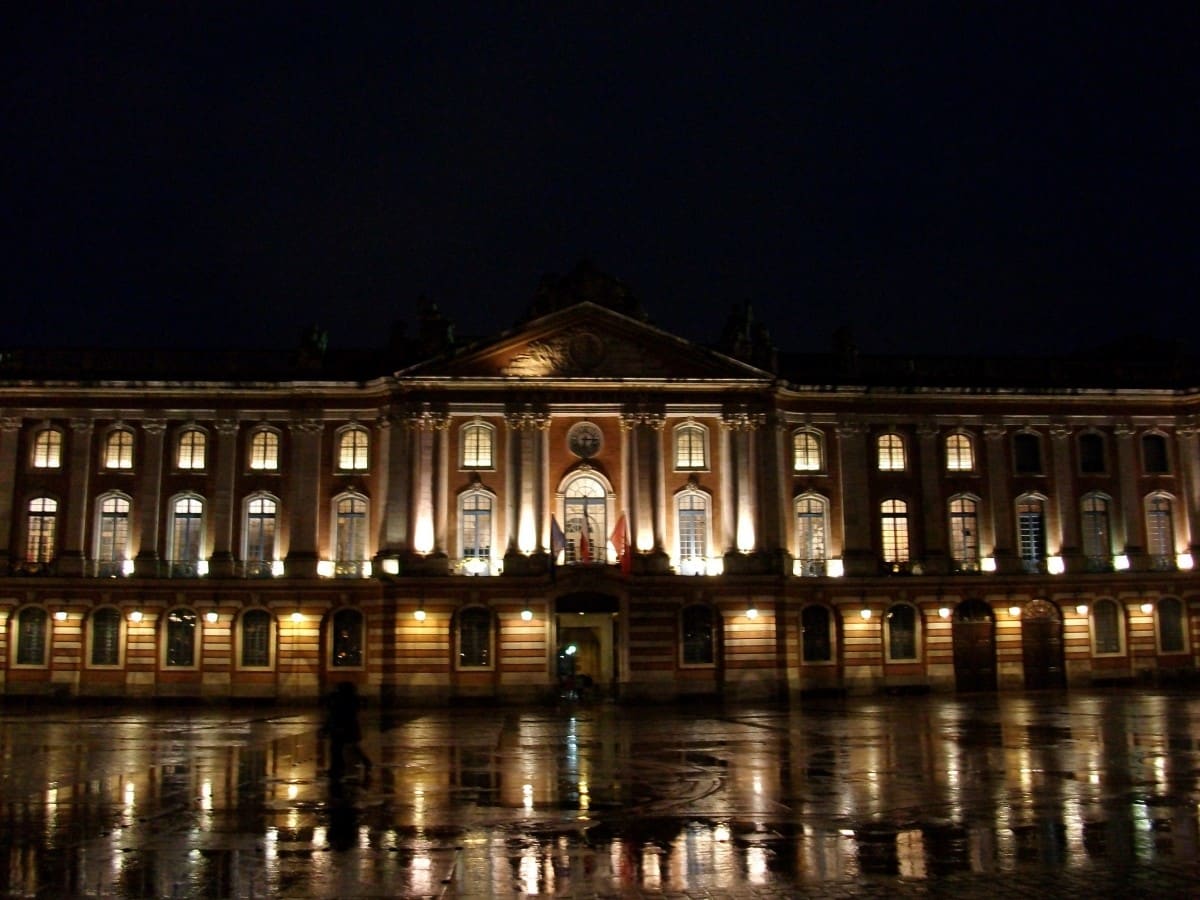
(1081, 794)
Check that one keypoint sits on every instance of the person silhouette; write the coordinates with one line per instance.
(342, 728)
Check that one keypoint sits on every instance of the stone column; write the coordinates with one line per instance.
(741, 426)
(527, 427)
(305, 499)
(396, 538)
(1066, 504)
(10, 439)
(1189, 463)
(1132, 515)
(71, 556)
(630, 478)
(381, 509)
(425, 542)
(935, 558)
(1000, 499)
(858, 555)
(222, 510)
(770, 493)
(150, 498)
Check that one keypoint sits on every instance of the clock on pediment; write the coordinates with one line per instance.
(585, 440)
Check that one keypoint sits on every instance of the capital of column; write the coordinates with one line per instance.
(1060, 431)
(10, 423)
(529, 418)
(154, 427)
(226, 427)
(927, 429)
(994, 432)
(1123, 430)
(631, 419)
(81, 425)
(742, 420)
(305, 426)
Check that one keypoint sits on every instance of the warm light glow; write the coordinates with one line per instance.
(1121, 562)
(835, 568)
(135, 616)
(277, 568)
(752, 613)
(645, 539)
(988, 564)
(1184, 561)
(297, 617)
(423, 535)
(715, 565)
(325, 568)
(1055, 565)
(527, 614)
(127, 567)
(745, 533)
(391, 566)
(60, 615)
(944, 612)
(419, 614)
(571, 650)
(202, 567)
(475, 565)
(1081, 609)
(865, 612)
(1014, 611)
(367, 568)
(526, 533)
(1147, 608)
(211, 617)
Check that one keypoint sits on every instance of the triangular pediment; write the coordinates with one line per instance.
(592, 342)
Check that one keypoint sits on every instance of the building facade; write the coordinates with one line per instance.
(589, 502)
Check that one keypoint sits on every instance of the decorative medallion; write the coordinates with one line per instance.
(584, 440)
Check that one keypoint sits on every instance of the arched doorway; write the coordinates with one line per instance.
(1042, 642)
(587, 642)
(974, 646)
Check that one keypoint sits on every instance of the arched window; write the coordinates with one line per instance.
(1091, 454)
(889, 450)
(893, 522)
(475, 517)
(1170, 626)
(691, 447)
(1027, 453)
(1155, 459)
(32, 637)
(585, 518)
(255, 645)
(478, 446)
(186, 536)
(812, 531)
(691, 510)
(47, 449)
(347, 644)
(258, 539)
(41, 531)
(105, 637)
(264, 450)
(474, 638)
(181, 639)
(807, 451)
(191, 449)
(118, 449)
(1160, 531)
(1096, 532)
(698, 635)
(964, 533)
(350, 535)
(901, 633)
(1031, 532)
(1106, 627)
(960, 453)
(112, 535)
(353, 446)
(816, 634)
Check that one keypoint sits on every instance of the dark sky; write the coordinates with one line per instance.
(970, 177)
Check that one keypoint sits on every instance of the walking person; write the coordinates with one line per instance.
(345, 734)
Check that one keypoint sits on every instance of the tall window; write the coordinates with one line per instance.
(816, 633)
(812, 529)
(352, 449)
(347, 646)
(474, 638)
(1031, 532)
(585, 520)
(960, 453)
(1097, 539)
(889, 450)
(902, 632)
(696, 624)
(964, 533)
(181, 638)
(31, 637)
(47, 449)
(259, 541)
(692, 509)
(807, 453)
(478, 446)
(475, 516)
(118, 449)
(1027, 453)
(1091, 454)
(691, 447)
(187, 535)
(1106, 626)
(112, 534)
(106, 637)
(264, 451)
(256, 638)
(894, 526)
(42, 530)
(1170, 626)
(192, 446)
(1160, 531)
(1154, 454)
(350, 535)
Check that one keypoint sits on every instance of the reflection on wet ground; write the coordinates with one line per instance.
(1021, 795)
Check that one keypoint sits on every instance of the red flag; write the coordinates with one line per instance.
(620, 542)
(585, 550)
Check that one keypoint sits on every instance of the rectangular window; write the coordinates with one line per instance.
(47, 449)
(106, 637)
(118, 450)
(1031, 534)
(890, 453)
(960, 455)
(477, 447)
(806, 452)
(693, 526)
(191, 450)
(690, 450)
(964, 534)
(1027, 454)
(256, 638)
(1106, 624)
(894, 524)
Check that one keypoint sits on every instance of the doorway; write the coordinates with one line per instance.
(974, 646)
(586, 644)
(1042, 645)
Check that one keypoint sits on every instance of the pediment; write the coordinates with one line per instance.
(592, 342)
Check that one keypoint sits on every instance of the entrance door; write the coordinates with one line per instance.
(974, 647)
(586, 643)
(1041, 637)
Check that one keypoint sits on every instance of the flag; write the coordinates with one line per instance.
(620, 542)
(558, 541)
(585, 549)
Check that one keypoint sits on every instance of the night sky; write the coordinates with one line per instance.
(960, 178)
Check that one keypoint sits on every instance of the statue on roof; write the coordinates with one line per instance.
(584, 283)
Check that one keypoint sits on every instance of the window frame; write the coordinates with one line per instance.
(249, 516)
(100, 517)
(173, 516)
(693, 495)
(889, 620)
(1031, 564)
(46, 532)
(272, 633)
(894, 516)
(815, 446)
(347, 567)
(954, 455)
(484, 615)
(271, 452)
(809, 564)
(475, 432)
(1159, 440)
(49, 456)
(192, 628)
(890, 448)
(830, 636)
(1156, 530)
(1118, 622)
(685, 456)
(964, 563)
(688, 618)
(1088, 534)
(1101, 444)
(1032, 439)
(90, 650)
(1181, 623)
(357, 644)
(44, 637)
(126, 442)
(194, 440)
(465, 515)
(359, 456)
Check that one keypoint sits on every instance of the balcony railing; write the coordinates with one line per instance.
(1162, 563)
(473, 565)
(350, 568)
(1098, 563)
(809, 568)
(108, 568)
(965, 567)
(256, 568)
